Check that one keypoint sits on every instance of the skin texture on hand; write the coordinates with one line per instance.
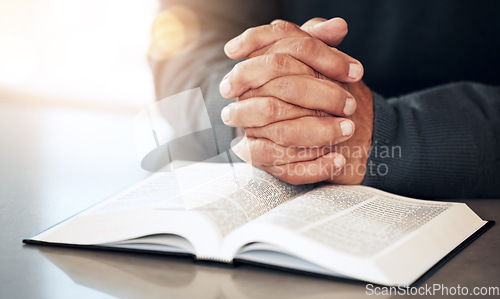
(306, 114)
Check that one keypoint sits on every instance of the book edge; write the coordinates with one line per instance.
(484, 228)
(487, 225)
(30, 242)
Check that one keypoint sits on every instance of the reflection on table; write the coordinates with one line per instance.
(125, 275)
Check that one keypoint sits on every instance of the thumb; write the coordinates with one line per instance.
(331, 32)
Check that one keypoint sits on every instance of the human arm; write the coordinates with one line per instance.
(441, 142)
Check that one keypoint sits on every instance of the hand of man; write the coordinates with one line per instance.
(292, 113)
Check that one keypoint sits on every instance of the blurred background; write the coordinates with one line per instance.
(82, 51)
(73, 75)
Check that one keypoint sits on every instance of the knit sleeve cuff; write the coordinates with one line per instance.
(384, 149)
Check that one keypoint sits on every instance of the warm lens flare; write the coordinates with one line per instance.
(174, 30)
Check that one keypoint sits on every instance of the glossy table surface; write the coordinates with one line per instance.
(56, 161)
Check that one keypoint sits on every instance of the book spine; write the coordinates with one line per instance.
(213, 259)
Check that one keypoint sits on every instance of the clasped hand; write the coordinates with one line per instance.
(306, 114)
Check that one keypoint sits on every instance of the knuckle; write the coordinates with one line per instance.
(331, 130)
(286, 87)
(337, 100)
(284, 26)
(247, 34)
(337, 65)
(272, 109)
(238, 73)
(238, 115)
(318, 19)
(278, 61)
(235, 72)
(306, 45)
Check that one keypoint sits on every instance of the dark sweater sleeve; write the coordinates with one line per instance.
(437, 143)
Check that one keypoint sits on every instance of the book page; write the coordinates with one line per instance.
(249, 193)
(356, 220)
(201, 202)
(155, 206)
(357, 232)
(159, 190)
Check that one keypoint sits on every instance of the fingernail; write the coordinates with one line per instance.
(339, 161)
(350, 106)
(354, 70)
(236, 140)
(319, 25)
(239, 147)
(235, 144)
(233, 45)
(225, 115)
(236, 150)
(346, 127)
(225, 87)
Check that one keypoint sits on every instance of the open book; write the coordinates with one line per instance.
(228, 212)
